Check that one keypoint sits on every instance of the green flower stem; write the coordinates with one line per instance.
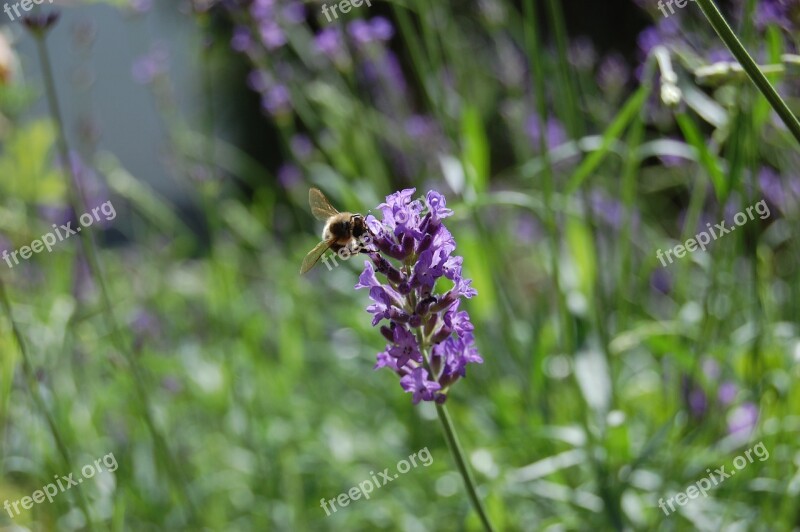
(461, 463)
(79, 205)
(36, 393)
(455, 447)
(723, 29)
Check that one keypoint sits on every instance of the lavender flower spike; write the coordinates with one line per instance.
(430, 340)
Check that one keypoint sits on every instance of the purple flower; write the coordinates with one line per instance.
(555, 135)
(431, 340)
(694, 397)
(727, 393)
(360, 31)
(613, 73)
(711, 368)
(277, 100)
(382, 29)
(142, 6)
(743, 419)
(777, 12)
(271, 35)
(258, 80)
(329, 42)
(364, 32)
(582, 53)
(151, 65)
(242, 40)
(289, 175)
(405, 347)
(294, 12)
(661, 280)
(419, 384)
(301, 147)
(785, 198)
(41, 22)
(420, 126)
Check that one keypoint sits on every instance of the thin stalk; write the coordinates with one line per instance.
(33, 385)
(531, 19)
(458, 454)
(78, 204)
(723, 29)
(454, 445)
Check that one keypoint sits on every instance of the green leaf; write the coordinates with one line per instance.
(476, 149)
(26, 166)
(611, 134)
(708, 160)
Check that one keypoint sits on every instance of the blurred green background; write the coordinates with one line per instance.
(572, 143)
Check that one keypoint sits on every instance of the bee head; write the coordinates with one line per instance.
(358, 226)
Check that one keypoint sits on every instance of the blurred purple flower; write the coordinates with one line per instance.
(661, 280)
(613, 72)
(145, 326)
(718, 55)
(382, 29)
(694, 397)
(376, 30)
(663, 33)
(610, 210)
(294, 12)
(151, 65)
(360, 31)
(329, 42)
(289, 175)
(141, 6)
(258, 80)
(40, 22)
(262, 9)
(420, 126)
(272, 35)
(301, 147)
(727, 393)
(581, 53)
(412, 233)
(777, 12)
(555, 134)
(387, 71)
(242, 39)
(711, 368)
(743, 418)
(277, 100)
(785, 198)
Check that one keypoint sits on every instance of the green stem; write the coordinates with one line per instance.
(723, 29)
(36, 393)
(79, 205)
(454, 445)
(461, 463)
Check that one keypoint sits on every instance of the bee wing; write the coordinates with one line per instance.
(320, 206)
(314, 255)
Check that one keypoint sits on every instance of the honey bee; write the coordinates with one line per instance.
(342, 229)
